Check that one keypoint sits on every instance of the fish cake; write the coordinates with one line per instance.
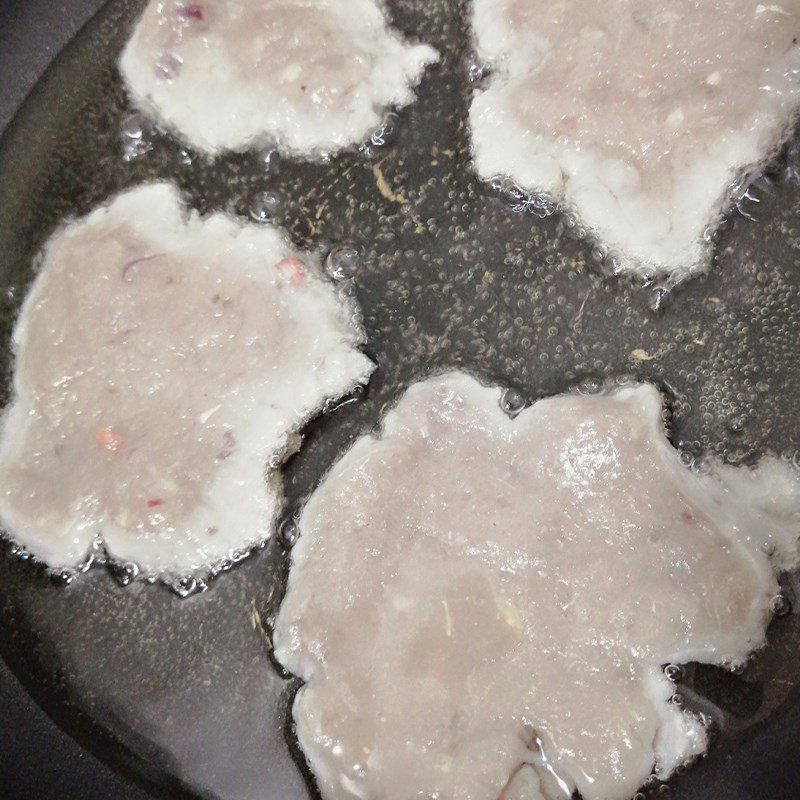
(164, 363)
(312, 75)
(639, 116)
(481, 606)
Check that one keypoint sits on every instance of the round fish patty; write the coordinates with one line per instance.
(312, 75)
(477, 600)
(162, 362)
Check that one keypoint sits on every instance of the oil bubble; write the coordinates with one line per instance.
(268, 157)
(62, 577)
(590, 386)
(135, 137)
(289, 532)
(736, 424)
(611, 265)
(540, 206)
(187, 586)
(123, 572)
(477, 71)
(780, 605)
(356, 396)
(512, 402)
(265, 206)
(343, 262)
(673, 673)
(701, 466)
(509, 192)
(659, 298)
(386, 132)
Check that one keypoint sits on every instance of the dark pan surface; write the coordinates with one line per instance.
(183, 693)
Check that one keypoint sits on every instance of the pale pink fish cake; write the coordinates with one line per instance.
(471, 594)
(311, 74)
(161, 361)
(639, 115)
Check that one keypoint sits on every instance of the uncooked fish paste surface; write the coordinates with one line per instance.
(313, 75)
(162, 360)
(481, 605)
(638, 115)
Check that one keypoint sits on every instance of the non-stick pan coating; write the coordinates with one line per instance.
(183, 693)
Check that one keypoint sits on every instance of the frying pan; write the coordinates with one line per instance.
(181, 697)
